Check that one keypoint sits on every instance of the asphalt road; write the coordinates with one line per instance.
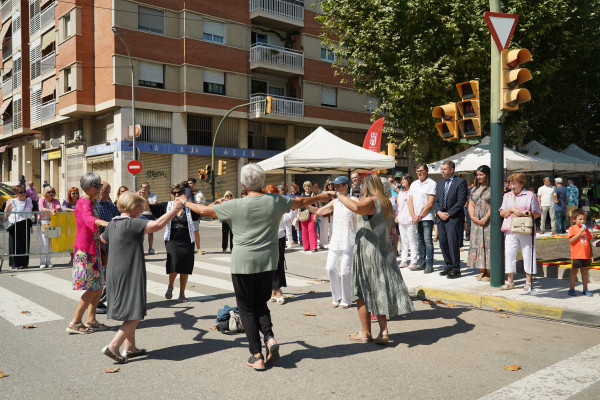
(439, 351)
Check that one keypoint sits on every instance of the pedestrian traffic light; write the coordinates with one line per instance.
(222, 166)
(202, 174)
(470, 124)
(512, 76)
(269, 105)
(392, 149)
(448, 128)
(209, 171)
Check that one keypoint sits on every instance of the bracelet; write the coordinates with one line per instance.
(484, 218)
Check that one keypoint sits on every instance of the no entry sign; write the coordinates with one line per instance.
(135, 167)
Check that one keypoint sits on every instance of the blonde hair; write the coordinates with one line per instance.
(228, 192)
(307, 183)
(517, 177)
(372, 186)
(47, 189)
(129, 201)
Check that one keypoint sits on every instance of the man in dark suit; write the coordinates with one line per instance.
(450, 199)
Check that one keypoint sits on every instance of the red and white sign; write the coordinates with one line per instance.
(373, 139)
(134, 167)
(138, 130)
(501, 26)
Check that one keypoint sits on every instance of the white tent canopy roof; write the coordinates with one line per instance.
(324, 153)
(575, 151)
(562, 162)
(472, 158)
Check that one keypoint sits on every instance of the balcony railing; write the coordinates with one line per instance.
(276, 55)
(7, 126)
(278, 7)
(48, 62)
(47, 16)
(49, 109)
(6, 7)
(7, 50)
(281, 106)
(7, 85)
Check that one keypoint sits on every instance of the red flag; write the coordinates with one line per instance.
(373, 139)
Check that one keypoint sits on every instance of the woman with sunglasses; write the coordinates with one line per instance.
(72, 196)
(18, 230)
(179, 240)
(226, 233)
(88, 272)
(49, 205)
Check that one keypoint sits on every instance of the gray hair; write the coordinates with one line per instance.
(252, 177)
(89, 179)
(387, 187)
(569, 182)
(450, 164)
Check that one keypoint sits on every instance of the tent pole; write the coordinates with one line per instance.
(284, 182)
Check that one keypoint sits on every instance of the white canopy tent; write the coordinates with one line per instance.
(561, 162)
(472, 158)
(324, 153)
(575, 151)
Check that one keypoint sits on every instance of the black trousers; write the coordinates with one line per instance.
(18, 243)
(450, 237)
(252, 291)
(226, 234)
(279, 275)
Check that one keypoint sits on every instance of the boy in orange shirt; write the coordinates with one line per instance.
(581, 250)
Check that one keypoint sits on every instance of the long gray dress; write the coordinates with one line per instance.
(376, 279)
(126, 269)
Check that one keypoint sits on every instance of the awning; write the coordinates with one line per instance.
(105, 158)
(3, 148)
(5, 105)
(7, 66)
(5, 30)
(43, 3)
(48, 87)
(48, 38)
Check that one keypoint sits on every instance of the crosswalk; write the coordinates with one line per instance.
(210, 278)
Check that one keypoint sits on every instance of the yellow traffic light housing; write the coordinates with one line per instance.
(470, 127)
(209, 171)
(269, 105)
(448, 128)
(222, 167)
(392, 149)
(201, 174)
(512, 76)
(468, 90)
(470, 124)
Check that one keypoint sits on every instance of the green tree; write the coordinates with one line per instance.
(411, 54)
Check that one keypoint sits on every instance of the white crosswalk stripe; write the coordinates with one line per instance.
(200, 279)
(50, 282)
(13, 305)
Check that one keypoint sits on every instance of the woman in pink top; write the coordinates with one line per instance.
(49, 205)
(88, 272)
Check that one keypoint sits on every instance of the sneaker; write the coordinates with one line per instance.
(151, 251)
(403, 264)
(373, 318)
(587, 293)
(571, 292)
(49, 266)
(412, 265)
(417, 267)
(42, 266)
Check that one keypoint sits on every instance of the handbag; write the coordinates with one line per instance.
(521, 224)
(303, 215)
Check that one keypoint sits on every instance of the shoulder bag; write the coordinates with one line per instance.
(521, 225)
(303, 215)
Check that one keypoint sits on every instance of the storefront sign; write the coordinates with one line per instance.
(51, 155)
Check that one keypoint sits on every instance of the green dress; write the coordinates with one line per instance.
(376, 279)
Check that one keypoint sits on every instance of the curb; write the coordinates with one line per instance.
(510, 305)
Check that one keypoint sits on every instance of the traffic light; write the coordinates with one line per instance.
(448, 128)
(222, 166)
(269, 106)
(202, 174)
(470, 124)
(209, 171)
(512, 76)
(392, 149)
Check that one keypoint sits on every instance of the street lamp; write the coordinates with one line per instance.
(117, 34)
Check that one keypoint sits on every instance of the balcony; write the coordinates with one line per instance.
(46, 17)
(284, 106)
(6, 7)
(7, 50)
(276, 60)
(49, 109)
(7, 126)
(279, 14)
(7, 86)
(47, 63)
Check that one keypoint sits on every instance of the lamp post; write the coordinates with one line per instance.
(117, 34)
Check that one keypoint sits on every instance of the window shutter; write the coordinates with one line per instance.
(151, 72)
(36, 102)
(328, 96)
(214, 77)
(214, 28)
(151, 19)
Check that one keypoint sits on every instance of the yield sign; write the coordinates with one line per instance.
(501, 27)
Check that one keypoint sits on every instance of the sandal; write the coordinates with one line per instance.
(117, 357)
(343, 306)
(279, 299)
(182, 298)
(480, 276)
(273, 352)
(78, 328)
(508, 286)
(527, 287)
(169, 294)
(96, 326)
(258, 363)
(485, 279)
(382, 339)
(335, 304)
(358, 337)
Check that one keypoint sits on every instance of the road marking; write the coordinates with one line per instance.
(562, 380)
(64, 287)
(12, 305)
(202, 279)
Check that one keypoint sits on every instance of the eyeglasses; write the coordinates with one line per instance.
(229, 196)
(53, 192)
(75, 194)
(22, 192)
(98, 185)
(420, 170)
(176, 193)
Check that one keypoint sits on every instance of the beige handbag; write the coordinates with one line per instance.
(303, 215)
(522, 225)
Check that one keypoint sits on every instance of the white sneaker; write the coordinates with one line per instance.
(42, 266)
(49, 266)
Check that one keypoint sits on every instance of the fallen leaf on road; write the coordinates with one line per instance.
(319, 280)
(450, 305)
(498, 309)
(298, 290)
(191, 286)
(512, 367)
(439, 301)
(25, 312)
(29, 326)
(310, 283)
(13, 274)
(288, 296)
(111, 370)
(212, 328)
(2, 375)
(311, 291)
(309, 314)
(426, 302)
(504, 316)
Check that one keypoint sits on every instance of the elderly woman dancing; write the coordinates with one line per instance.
(254, 221)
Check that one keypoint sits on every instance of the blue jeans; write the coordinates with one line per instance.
(425, 243)
(561, 220)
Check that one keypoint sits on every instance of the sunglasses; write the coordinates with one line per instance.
(176, 193)
(229, 196)
(52, 192)
(98, 185)
(75, 194)
(21, 192)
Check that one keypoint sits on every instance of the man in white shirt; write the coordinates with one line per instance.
(420, 204)
(546, 199)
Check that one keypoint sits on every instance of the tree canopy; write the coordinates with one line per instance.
(410, 54)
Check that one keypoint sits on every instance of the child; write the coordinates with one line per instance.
(581, 250)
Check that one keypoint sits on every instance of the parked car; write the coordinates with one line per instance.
(6, 193)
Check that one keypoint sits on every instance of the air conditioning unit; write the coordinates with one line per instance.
(38, 144)
(78, 135)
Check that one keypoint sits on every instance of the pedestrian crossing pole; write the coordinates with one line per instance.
(497, 162)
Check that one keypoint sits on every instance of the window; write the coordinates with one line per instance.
(68, 79)
(66, 25)
(256, 37)
(17, 112)
(276, 91)
(156, 125)
(199, 130)
(213, 31)
(34, 12)
(151, 20)
(327, 55)
(151, 75)
(328, 96)
(214, 82)
(36, 58)
(258, 87)
(16, 29)
(36, 102)
(17, 70)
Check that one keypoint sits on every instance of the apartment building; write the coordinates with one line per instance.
(67, 83)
